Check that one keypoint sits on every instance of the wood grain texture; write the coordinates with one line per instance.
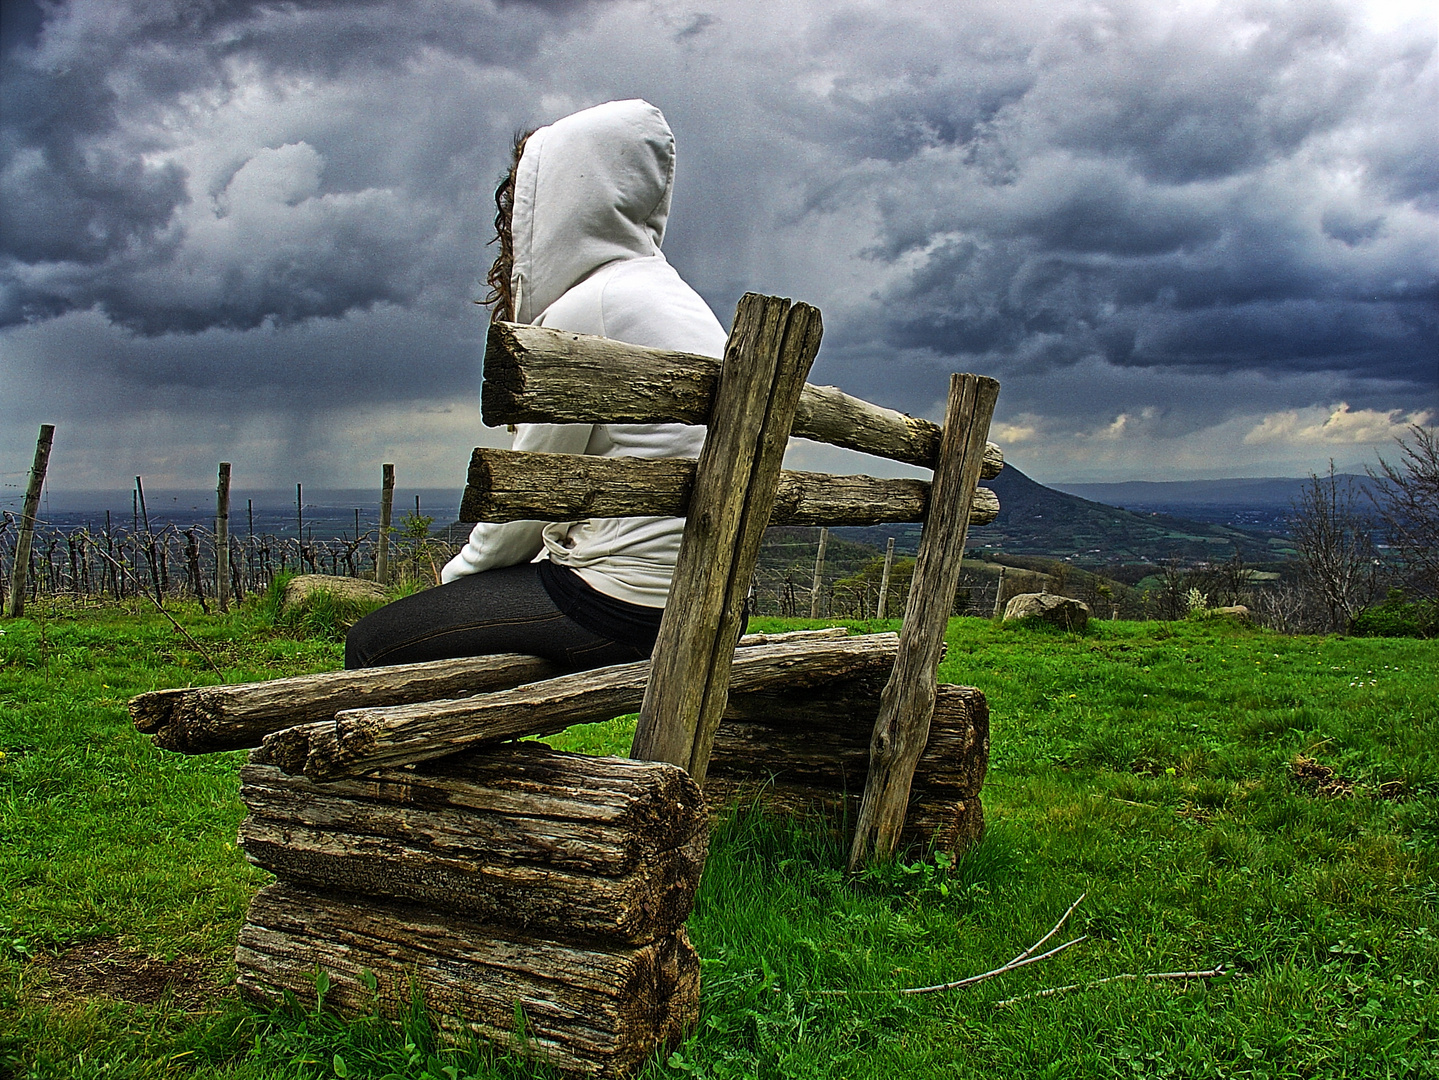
(358, 741)
(588, 1009)
(803, 331)
(820, 738)
(541, 376)
(908, 699)
(807, 753)
(203, 719)
(769, 350)
(508, 485)
(561, 845)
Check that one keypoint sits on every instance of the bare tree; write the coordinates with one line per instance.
(1174, 582)
(1406, 497)
(1335, 547)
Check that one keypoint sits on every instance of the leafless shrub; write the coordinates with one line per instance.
(1406, 497)
(1341, 565)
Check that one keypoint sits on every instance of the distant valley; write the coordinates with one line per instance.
(1043, 521)
(1263, 504)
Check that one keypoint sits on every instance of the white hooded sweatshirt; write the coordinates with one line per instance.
(592, 194)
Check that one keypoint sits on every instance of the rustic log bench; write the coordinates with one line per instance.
(416, 846)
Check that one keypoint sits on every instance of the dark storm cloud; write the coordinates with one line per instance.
(1097, 203)
(1178, 191)
(92, 216)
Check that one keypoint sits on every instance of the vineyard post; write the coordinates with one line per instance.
(149, 542)
(21, 567)
(818, 574)
(884, 579)
(222, 538)
(999, 595)
(387, 503)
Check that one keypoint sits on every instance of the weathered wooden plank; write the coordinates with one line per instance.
(541, 376)
(562, 845)
(807, 754)
(820, 738)
(770, 349)
(908, 699)
(590, 1009)
(202, 719)
(507, 485)
(358, 741)
(803, 330)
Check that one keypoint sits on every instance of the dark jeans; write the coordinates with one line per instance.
(498, 611)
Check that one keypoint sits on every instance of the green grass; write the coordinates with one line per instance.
(1145, 764)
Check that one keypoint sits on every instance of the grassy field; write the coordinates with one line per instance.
(1221, 795)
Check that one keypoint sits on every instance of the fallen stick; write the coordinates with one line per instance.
(1024, 959)
(1212, 973)
(161, 609)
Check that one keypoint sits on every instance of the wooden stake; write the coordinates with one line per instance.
(771, 347)
(20, 570)
(818, 574)
(222, 538)
(908, 699)
(140, 495)
(884, 580)
(149, 544)
(999, 595)
(387, 505)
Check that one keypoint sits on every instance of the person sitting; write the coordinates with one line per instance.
(581, 215)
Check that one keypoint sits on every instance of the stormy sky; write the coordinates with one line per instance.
(1191, 239)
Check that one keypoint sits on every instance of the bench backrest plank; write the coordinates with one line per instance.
(509, 485)
(535, 375)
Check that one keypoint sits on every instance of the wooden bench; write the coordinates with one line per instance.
(753, 401)
(417, 846)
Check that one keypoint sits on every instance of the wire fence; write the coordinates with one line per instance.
(174, 561)
(180, 562)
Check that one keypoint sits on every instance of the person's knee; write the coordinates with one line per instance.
(359, 644)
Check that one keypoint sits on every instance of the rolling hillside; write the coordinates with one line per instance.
(1037, 520)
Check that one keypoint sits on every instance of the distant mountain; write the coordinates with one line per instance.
(1267, 491)
(1038, 520)
(1257, 504)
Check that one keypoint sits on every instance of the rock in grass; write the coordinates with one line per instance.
(301, 588)
(1059, 610)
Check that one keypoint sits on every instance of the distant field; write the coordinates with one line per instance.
(1223, 795)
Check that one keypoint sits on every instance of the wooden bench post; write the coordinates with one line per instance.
(771, 347)
(907, 703)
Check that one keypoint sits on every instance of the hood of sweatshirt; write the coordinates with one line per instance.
(590, 189)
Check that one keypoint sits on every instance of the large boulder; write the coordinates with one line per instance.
(1059, 610)
(301, 588)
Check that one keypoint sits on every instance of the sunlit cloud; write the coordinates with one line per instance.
(1340, 425)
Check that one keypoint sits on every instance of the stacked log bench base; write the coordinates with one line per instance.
(517, 878)
(807, 753)
(508, 874)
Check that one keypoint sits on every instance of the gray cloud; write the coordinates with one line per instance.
(1152, 200)
(98, 96)
(271, 201)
